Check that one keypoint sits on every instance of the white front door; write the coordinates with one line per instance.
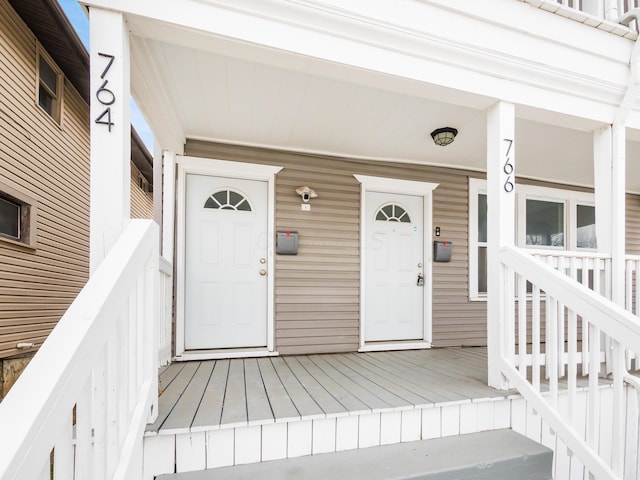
(225, 263)
(394, 259)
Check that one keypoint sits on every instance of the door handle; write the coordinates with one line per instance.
(420, 280)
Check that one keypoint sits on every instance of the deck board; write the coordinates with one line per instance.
(365, 396)
(173, 392)
(304, 403)
(341, 394)
(258, 407)
(187, 405)
(360, 377)
(210, 411)
(234, 411)
(281, 404)
(228, 393)
(411, 393)
(328, 404)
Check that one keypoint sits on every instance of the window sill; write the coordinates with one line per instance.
(18, 243)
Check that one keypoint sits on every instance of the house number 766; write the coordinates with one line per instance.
(105, 96)
(508, 167)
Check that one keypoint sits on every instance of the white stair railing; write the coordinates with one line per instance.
(79, 409)
(599, 13)
(601, 438)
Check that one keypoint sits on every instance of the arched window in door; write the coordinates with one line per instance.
(393, 213)
(227, 199)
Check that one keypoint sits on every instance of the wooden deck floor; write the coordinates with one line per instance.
(255, 391)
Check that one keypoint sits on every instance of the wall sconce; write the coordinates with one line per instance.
(444, 136)
(306, 193)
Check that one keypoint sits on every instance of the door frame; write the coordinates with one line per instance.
(233, 170)
(399, 187)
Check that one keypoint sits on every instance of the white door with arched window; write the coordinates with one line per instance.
(394, 267)
(225, 263)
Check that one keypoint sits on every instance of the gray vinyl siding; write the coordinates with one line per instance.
(48, 162)
(633, 224)
(317, 291)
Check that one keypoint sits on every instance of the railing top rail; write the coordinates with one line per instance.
(610, 318)
(635, 258)
(50, 382)
(566, 253)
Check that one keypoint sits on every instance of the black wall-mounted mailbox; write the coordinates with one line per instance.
(442, 251)
(287, 243)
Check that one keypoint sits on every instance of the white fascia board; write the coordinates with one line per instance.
(496, 48)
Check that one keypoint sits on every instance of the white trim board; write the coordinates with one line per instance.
(402, 187)
(221, 168)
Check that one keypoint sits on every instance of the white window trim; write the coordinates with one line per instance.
(56, 115)
(476, 187)
(28, 231)
(571, 199)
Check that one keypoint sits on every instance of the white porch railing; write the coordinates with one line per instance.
(599, 13)
(79, 409)
(604, 437)
(165, 314)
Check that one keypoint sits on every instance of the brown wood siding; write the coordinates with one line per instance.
(317, 291)
(48, 162)
(141, 201)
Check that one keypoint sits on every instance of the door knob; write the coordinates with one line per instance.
(263, 272)
(263, 261)
(419, 265)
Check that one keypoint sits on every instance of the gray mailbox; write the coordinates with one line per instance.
(442, 251)
(287, 243)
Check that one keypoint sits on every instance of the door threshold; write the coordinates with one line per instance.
(218, 354)
(396, 345)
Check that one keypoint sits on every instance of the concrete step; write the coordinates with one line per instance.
(492, 455)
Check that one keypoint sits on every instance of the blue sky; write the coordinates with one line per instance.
(80, 21)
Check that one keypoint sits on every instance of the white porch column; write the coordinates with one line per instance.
(602, 178)
(157, 187)
(618, 213)
(500, 230)
(110, 132)
(168, 204)
(609, 170)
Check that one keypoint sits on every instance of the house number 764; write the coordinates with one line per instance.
(105, 96)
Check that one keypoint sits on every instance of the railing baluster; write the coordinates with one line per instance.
(99, 420)
(572, 352)
(522, 324)
(510, 314)
(593, 425)
(112, 433)
(585, 324)
(552, 349)
(63, 451)
(84, 435)
(617, 447)
(535, 333)
(561, 314)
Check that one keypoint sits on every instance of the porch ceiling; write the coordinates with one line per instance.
(214, 88)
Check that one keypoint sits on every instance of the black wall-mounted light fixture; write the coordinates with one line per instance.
(444, 136)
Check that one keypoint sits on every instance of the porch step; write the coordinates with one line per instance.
(491, 455)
